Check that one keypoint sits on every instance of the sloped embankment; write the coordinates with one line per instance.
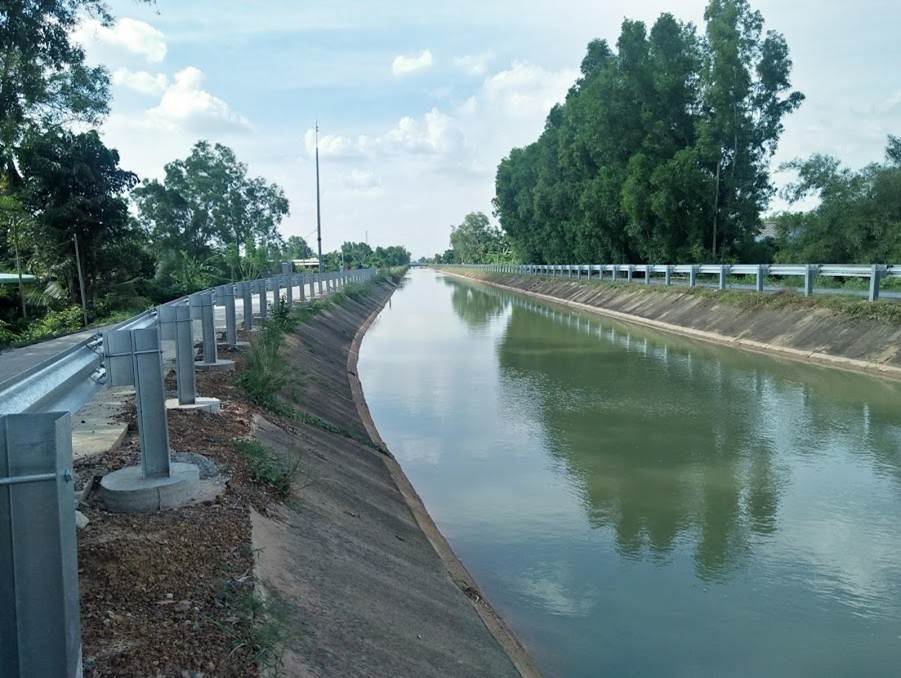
(813, 330)
(366, 583)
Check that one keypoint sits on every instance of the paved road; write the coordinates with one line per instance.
(17, 361)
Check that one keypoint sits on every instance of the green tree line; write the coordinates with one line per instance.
(661, 149)
(65, 200)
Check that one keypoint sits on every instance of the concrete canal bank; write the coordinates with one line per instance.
(366, 584)
(789, 326)
(317, 558)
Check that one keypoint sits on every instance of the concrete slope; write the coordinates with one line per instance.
(364, 589)
(810, 334)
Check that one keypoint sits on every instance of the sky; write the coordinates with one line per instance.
(418, 102)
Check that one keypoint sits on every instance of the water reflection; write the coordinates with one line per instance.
(706, 467)
(475, 307)
(644, 504)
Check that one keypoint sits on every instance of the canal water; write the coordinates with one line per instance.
(638, 504)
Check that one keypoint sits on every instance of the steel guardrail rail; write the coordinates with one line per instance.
(49, 380)
(875, 273)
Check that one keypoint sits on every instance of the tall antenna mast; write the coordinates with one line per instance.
(318, 216)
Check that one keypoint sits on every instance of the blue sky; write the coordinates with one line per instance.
(418, 102)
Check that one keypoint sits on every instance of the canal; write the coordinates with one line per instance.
(639, 504)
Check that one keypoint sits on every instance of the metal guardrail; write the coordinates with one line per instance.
(876, 273)
(63, 381)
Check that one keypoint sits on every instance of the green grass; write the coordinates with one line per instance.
(258, 626)
(265, 374)
(268, 468)
(846, 306)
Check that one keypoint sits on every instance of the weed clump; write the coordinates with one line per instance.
(268, 468)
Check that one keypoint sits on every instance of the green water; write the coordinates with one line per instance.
(637, 504)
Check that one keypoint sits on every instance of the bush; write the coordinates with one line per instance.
(7, 336)
(267, 468)
(64, 321)
(265, 372)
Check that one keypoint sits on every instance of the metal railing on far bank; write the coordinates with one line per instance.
(756, 277)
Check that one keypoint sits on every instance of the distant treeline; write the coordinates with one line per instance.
(661, 153)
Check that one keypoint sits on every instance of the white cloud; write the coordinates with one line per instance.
(892, 104)
(436, 134)
(331, 145)
(468, 107)
(525, 89)
(474, 64)
(363, 181)
(130, 35)
(187, 106)
(403, 64)
(140, 81)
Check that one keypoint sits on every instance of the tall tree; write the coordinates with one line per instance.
(858, 218)
(477, 241)
(746, 94)
(659, 143)
(44, 79)
(75, 188)
(206, 202)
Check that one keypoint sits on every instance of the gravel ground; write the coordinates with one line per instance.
(165, 594)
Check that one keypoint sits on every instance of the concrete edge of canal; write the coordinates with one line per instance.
(811, 335)
(368, 583)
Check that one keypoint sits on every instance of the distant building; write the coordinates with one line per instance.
(768, 230)
(306, 264)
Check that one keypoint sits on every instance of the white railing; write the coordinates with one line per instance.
(692, 274)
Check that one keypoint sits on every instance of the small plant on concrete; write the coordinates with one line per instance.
(258, 626)
(265, 371)
(268, 468)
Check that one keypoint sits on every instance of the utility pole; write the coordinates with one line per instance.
(318, 215)
(84, 305)
(17, 223)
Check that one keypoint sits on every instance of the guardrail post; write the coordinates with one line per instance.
(692, 276)
(133, 359)
(761, 276)
(276, 292)
(186, 383)
(669, 275)
(809, 272)
(40, 628)
(875, 281)
(647, 274)
(202, 309)
(263, 293)
(289, 290)
(225, 296)
(724, 269)
(630, 271)
(247, 305)
(614, 271)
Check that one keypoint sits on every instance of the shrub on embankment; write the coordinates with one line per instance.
(266, 372)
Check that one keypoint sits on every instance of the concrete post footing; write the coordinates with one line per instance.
(221, 365)
(238, 344)
(127, 491)
(207, 405)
